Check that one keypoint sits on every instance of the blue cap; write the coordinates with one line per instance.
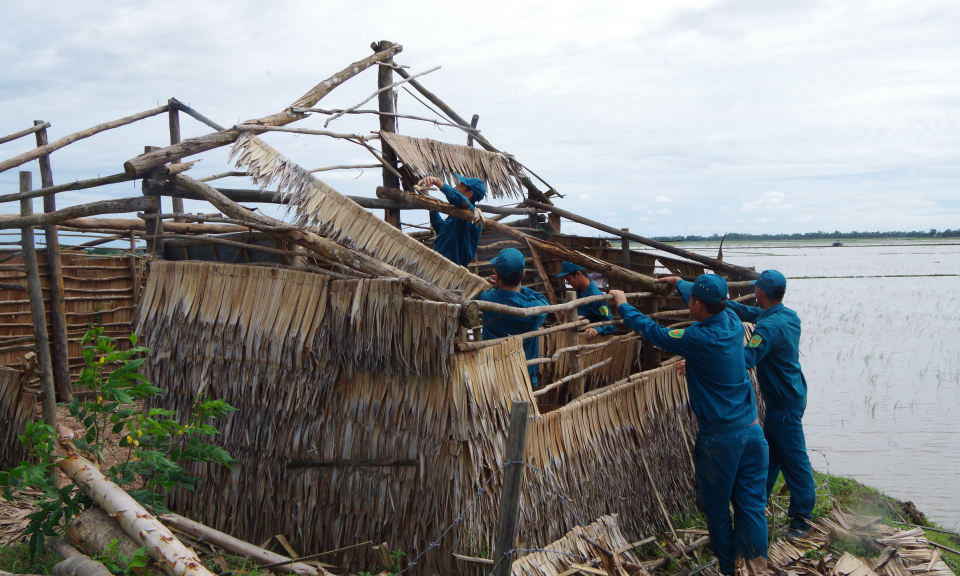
(567, 268)
(710, 288)
(509, 264)
(769, 281)
(475, 185)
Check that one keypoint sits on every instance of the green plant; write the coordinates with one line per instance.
(120, 565)
(396, 556)
(156, 446)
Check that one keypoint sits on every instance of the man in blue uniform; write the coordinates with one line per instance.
(457, 239)
(508, 269)
(731, 452)
(774, 350)
(576, 277)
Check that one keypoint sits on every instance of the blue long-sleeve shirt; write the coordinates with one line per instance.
(457, 239)
(595, 311)
(721, 394)
(496, 325)
(775, 350)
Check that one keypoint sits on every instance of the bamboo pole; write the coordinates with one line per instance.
(562, 252)
(144, 163)
(173, 116)
(507, 524)
(473, 124)
(73, 212)
(66, 140)
(553, 308)
(385, 101)
(578, 375)
(78, 185)
(59, 355)
(114, 225)
(705, 260)
(196, 115)
(574, 361)
(48, 393)
(256, 129)
(22, 133)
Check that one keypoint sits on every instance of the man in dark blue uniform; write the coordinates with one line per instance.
(731, 452)
(508, 269)
(457, 239)
(576, 277)
(774, 350)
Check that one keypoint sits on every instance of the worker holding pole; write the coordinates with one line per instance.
(457, 239)
(576, 277)
(775, 350)
(731, 452)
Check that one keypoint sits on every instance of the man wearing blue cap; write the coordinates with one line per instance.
(457, 239)
(576, 277)
(508, 271)
(731, 452)
(775, 350)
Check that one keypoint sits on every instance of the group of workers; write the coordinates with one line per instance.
(737, 460)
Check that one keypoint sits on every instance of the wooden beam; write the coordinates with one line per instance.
(37, 314)
(611, 270)
(385, 101)
(194, 114)
(173, 116)
(574, 360)
(507, 524)
(59, 356)
(120, 206)
(116, 225)
(58, 144)
(78, 185)
(22, 133)
(705, 260)
(154, 226)
(579, 375)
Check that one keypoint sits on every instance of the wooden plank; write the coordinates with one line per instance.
(508, 523)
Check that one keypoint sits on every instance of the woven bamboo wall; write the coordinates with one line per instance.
(327, 370)
(99, 290)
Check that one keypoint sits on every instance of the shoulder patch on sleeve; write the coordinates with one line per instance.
(676, 333)
(604, 310)
(756, 341)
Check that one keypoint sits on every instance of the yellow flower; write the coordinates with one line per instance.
(99, 399)
(129, 439)
(139, 433)
(179, 432)
(136, 443)
(103, 359)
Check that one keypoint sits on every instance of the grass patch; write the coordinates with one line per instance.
(14, 558)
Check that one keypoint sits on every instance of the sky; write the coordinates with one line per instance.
(687, 117)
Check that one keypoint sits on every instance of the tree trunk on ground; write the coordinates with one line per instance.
(74, 563)
(93, 530)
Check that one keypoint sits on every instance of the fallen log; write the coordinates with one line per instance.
(238, 547)
(171, 556)
(470, 312)
(70, 139)
(610, 270)
(103, 207)
(146, 162)
(94, 530)
(74, 563)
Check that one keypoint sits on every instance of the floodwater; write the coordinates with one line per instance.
(881, 355)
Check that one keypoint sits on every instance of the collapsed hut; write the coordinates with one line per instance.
(369, 405)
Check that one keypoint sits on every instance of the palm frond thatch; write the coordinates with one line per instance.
(17, 408)
(425, 157)
(564, 552)
(344, 221)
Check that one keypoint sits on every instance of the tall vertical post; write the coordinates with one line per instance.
(133, 268)
(473, 122)
(625, 250)
(39, 317)
(650, 357)
(387, 124)
(508, 523)
(153, 226)
(173, 115)
(59, 353)
(574, 360)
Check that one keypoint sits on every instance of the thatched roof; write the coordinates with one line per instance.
(425, 157)
(344, 221)
(572, 545)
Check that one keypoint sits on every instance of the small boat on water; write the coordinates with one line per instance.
(837, 244)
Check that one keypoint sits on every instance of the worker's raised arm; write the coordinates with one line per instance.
(456, 198)
(436, 221)
(660, 336)
(744, 313)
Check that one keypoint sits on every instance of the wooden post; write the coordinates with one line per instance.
(133, 268)
(507, 525)
(574, 360)
(473, 122)
(173, 115)
(48, 395)
(153, 226)
(387, 124)
(59, 355)
(650, 358)
(625, 250)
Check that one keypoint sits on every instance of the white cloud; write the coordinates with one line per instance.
(640, 207)
(663, 211)
(661, 199)
(585, 197)
(767, 201)
(723, 209)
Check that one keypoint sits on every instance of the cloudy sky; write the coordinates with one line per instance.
(667, 117)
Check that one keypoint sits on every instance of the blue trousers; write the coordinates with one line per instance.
(732, 467)
(783, 430)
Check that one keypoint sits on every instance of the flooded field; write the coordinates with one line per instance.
(881, 354)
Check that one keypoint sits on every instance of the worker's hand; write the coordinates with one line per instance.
(431, 181)
(671, 280)
(590, 333)
(494, 280)
(618, 297)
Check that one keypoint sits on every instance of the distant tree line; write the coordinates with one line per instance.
(836, 235)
